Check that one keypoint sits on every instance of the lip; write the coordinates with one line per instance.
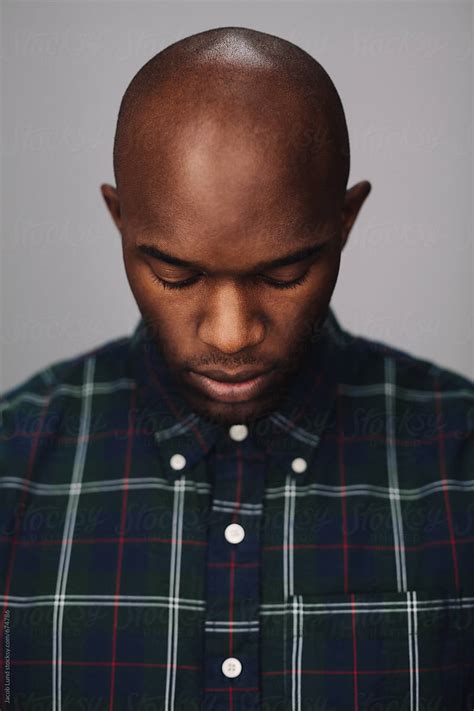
(224, 377)
(234, 389)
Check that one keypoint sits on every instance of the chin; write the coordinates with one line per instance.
(232, 413)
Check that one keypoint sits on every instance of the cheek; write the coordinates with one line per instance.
(149, 298)
(136, 276)
(300, 315)
(149, 295)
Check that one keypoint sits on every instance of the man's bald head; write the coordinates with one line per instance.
(258, 88)
(231, 160)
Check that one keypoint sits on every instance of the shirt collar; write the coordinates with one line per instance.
(291, 431)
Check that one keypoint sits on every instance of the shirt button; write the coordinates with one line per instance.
(177, 461)
(234, 533)
(231, 667)
(238, 432)
(299, 465)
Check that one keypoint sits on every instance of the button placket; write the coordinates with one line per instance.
(233, 573)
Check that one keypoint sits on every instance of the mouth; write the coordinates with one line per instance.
(232, 390)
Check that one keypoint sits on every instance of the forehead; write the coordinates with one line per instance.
(233, 170)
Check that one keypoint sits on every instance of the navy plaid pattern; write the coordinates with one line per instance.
(352, 588)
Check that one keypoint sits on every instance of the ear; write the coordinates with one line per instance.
(353, 201)
(110, 195)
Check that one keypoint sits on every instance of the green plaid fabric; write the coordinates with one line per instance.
(347, 582)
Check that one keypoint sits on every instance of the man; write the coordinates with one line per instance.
(241, 505)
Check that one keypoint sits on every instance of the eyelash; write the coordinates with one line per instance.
(189, 282)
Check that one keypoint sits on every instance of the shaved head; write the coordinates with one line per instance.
(237, 95)
(231, 160)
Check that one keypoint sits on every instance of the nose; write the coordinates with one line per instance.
(230, 323)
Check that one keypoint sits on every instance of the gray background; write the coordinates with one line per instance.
(404, 73)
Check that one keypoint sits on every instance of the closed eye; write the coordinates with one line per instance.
(186, 283)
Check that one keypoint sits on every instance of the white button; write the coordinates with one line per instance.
(234, 533)
(177, 461)
(238, 432)
(231, 667)
(299, 465)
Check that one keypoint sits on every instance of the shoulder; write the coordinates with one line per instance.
(50, 400)
(406, 376)
(401, 368)
(108, 358)
(417, 402)
(364, 361)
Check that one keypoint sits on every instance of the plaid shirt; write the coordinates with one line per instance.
(351, 589)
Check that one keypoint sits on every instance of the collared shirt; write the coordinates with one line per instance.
(320, 557)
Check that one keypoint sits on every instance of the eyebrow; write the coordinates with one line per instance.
(291, 258)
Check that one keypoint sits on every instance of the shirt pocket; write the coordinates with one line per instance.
(369, 651)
